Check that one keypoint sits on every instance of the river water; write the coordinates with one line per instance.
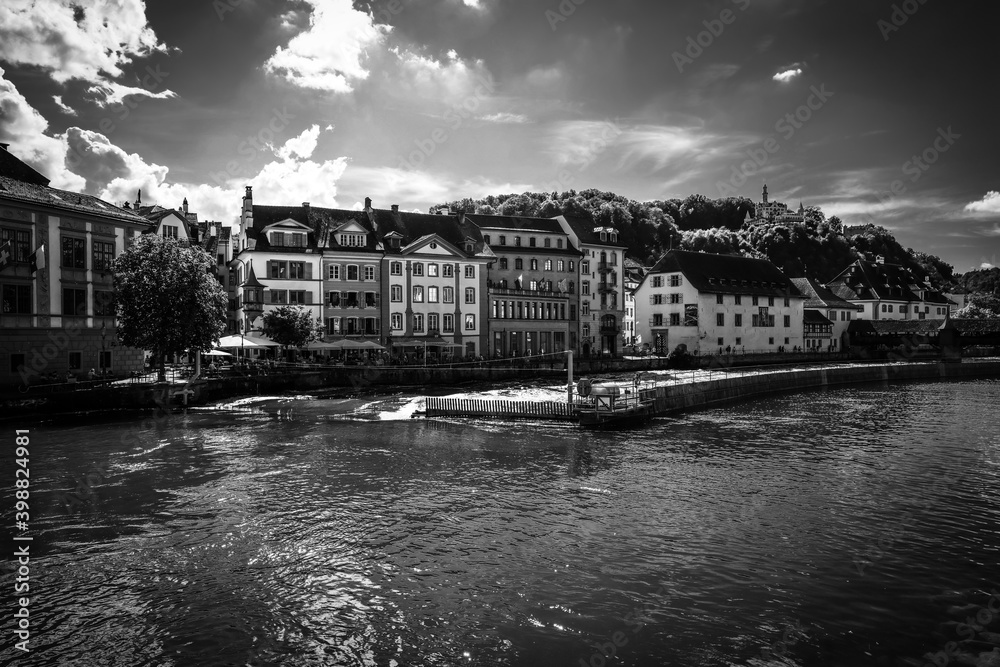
(856, 526)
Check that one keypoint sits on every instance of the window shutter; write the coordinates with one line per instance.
(309, 297)
(269, 263)
(309, 270)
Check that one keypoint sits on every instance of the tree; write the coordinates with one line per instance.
(289, 326)
(980, 307)
(168, 302)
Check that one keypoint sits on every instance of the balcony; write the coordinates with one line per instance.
(610, 330)
(604, 267)
(607, 287)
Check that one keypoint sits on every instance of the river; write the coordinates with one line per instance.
(856, 526)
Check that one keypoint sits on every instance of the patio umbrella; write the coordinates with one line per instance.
(239, 341)
(216, 353)
(371, 345)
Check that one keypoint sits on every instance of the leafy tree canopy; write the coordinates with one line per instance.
(290, 326)
(167, 300)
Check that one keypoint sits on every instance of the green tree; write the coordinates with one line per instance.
(168, 302)
(289, 326)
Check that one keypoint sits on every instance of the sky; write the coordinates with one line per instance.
(874, 110)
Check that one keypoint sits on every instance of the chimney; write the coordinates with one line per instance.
(395, 208)
(138, 198)
(305, 205)
(461, 217)
(368, 203)
(4, 146)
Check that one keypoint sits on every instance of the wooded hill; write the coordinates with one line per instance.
(818, 247)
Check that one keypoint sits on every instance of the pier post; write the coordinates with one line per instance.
(569, 377)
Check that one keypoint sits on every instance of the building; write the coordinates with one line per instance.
(776, 211)
(838, 312)
(602, 285)
(817, 332)
(633, 275)
(58, 309)
(435, 270)
(713, 303)
(888, 292)
(532, 285)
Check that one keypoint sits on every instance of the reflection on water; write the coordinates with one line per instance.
(848, 527)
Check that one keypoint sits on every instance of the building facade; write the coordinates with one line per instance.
(532, 285)
(888, 292)
(718, 304)
(58, 308)
(836, 311)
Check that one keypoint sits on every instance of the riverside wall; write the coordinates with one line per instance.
(681, 397)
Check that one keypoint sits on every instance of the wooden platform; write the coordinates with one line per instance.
(500, 409)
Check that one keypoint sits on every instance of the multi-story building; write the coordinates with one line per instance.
(888, 292)
(718, 303)
(434, 274)
(602, 285)
(776, 211)
(836, 312)
(58, 308)
(279, 249)
(532, 285)
(632, 276)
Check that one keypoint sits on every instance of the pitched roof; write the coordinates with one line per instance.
(810, 316)
(321, 221)
(584, 229)
(966, 327)
(64, 200)
(819, 296)
(868, 281)
(13, 168)
(412, 226)
(518, 223)
(727, 274)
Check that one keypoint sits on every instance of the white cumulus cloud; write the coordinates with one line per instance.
(990, 203)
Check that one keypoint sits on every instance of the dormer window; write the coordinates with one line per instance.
(287, 239)
(604, 237)
(614, 237)
(351, 240)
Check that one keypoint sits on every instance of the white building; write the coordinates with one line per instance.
(888, 292)
(713, 303)
(823, 301)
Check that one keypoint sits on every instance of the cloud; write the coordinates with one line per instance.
(990, 203)
(418, 187)
(69, 111)
(450, 80)
(986, 266)
(328, 55)
(504, 118)
(786, 75)
(302, 145)
(111, 93)
(90, 42)
(24, 129)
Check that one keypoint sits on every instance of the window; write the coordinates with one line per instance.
(418, 269)
(333, 272)
(675, 281)
(503, 240)
(74, 302)
(296, 240)
(656, 299)
(755, 301)
(74, 253)
(770, 341)
(770, 301)
(279, 296)
(560, 266)
(658, 320)
(534, 265)
(75, 361)
(890, 308)
(353, 240)
(17, 360)
(371, 299)
(418, 322)
(372, 326)
(486, 237)
(20, 243)
(676, 297)
(333, 299)
(449, 323)
(432, 270)
(449, 295)
(738, 300)
(104, 255)
(432, 322)
(586, 331)
(548, 264)
(104, 303)
(470, 294)
(369, 273)
(738, 320)
(584, 267)
(396, 321)
(721, 341)
(396, 293)
(720, 319)
(396, 269)
(788, 321)
(352, 272)
(585, 288)
(788, 302)
(432, 296)
(675, 319)
(517, 240)
(296, 270)
(298, 297)
(572, 265)
(279, 270)
(884, 308)
(718, 299)
(503, 263)
(585, 308)
(470, 322)
(333, 325)
(170, 231)
(657, 281)
(470, 271)
(17, 299)
(448, 271)
(418, 294)
(572, 287)
(518, 263)
(277, 238)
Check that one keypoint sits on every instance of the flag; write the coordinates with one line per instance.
(520, 278)
(36, 260)
(5, 255)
